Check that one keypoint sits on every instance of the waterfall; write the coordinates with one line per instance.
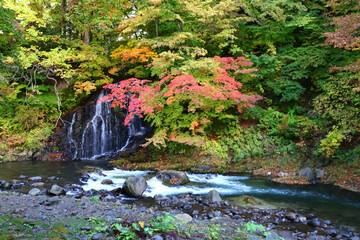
(70, 135)
(102, 133)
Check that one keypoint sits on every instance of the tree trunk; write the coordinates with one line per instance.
(87, 37)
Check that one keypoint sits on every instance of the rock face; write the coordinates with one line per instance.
(56, 190)
(308, 173)
(94, 130)
(172, 177)
(213, 196)
(134, 186)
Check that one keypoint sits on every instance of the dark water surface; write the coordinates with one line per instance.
(325, 201)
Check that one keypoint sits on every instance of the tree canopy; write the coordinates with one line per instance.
(203, 73)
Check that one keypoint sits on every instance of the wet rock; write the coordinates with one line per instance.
(314, 222)
(355, 238)
(159, 197)
(37, 184)
(34, 192)
(316, 238)
(84, 176)
(156, 237)
(184, 217)
(286, 235)
(134, 186)
(308, 173)
(107, 181)
(14, 181)
(37, 178)
(187, 207)
(56, 190)
(339, 236)
(4, 184)
(327, 222)
(290, 215)
(98, 236)
(52, 178)
(172, 177)
(331, 232)
(345, 233)
(22, 177)
(117, 191)
(16, 186)
(213, 196)
(302, 219)
(86, 228)
(51, 201)
(310, 216)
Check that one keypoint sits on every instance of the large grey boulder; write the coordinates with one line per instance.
(308, 173)
(172, 177)
(56, 190)
(134, 186)
(213, 196)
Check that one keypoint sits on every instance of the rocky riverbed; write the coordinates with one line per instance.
(94, 215)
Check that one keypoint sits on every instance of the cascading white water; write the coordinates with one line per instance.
(70, 134)
(97, 137)
(104, 134)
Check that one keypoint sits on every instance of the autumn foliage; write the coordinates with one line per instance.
(183, 108)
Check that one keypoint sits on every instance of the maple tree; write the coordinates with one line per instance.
(186, 107)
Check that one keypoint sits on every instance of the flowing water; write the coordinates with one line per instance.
(98, 131)
(327, 202)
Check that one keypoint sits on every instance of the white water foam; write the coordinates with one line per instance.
(199, 184)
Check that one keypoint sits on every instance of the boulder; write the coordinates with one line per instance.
(56, 190)
(184, 218)
(134, 186)
(37, 178)
(172, 177)
(107, 181)
(308, 173)
(213, 196)
(34, 192)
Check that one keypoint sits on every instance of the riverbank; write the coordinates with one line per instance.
(64, 217)
(282, 169)
(100, 216)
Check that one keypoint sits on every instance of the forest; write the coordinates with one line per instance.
(237, 79)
